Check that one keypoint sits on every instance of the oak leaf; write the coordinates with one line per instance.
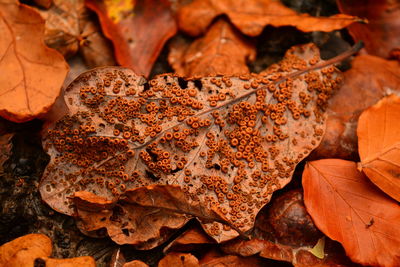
(251, 17)
(381, 33)
(69, 29)
(227, 142)
(138, 30)
(348, 208)
(32, 74)
(221, 51)
(379, 144)
(369, 79)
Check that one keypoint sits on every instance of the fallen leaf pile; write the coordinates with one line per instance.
(256, 151)
(215, 148)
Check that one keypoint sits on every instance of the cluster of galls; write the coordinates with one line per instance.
(225, 140)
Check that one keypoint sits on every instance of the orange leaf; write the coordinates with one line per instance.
(179, 260)
(221, 51)
(379, 144)
(369, 79)
(252, 16)
(31, 73)
(348, 208)
(24, 250)
(138, 30)
(381, 33)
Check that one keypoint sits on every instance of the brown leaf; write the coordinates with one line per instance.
(44, 3)
(190, 240)
(221, 51)
(138, 30)
(5, 149)
(231, 260)
(135, 263)
(69, 29)
(24, 250)
(85, 261)
(348, 208)
(179, 260)
(369, 79)
(180, 145)
(32, 74)
(127, 223)
(381, 33)
(252, 16)
(284, 231)
(379, 144)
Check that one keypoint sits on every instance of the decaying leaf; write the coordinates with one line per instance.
(347, 207)
(214, 148)
(5, 149)
(35, 249)
(231, 260)
(138, 30)
(190, 240)
(221, 51)
(381, 33)
(68, 29)
(31, 73)
(252, 16)
(369, 79)
(179, 260)
(379, 144)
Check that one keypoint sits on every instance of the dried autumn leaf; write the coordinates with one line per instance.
(369, 79)
(68, 29)
(179, 260)
(348, 208)
(32, 74)
(252, 16)
(5, 149)
(379, 144)
(85, 261)
(232, 260)
(190, 240)
(135, 263)
(221, 51)
(381, 33)
(138, 30)
(24, 250)
(227, 142)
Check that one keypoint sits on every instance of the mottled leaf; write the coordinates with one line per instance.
(227, 142)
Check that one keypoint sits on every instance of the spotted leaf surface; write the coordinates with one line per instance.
(227, 143)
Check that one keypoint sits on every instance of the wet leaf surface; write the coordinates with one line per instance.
(348, 208)
(379, 144)
(31, 72)
(222, 145)
(252, 16)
